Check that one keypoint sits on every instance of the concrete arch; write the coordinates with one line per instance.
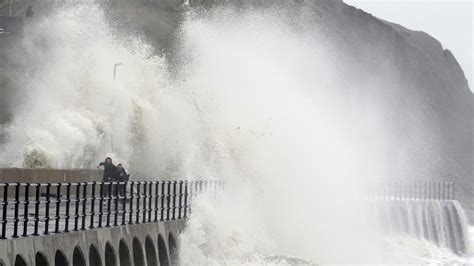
(124, 254)
(151, 258)
(138, 257)
(163, 252)
(20, 261)
(60, 259)
(94, 257)
(110, 258)
(41, 259)
(173, 248)
(78, 258)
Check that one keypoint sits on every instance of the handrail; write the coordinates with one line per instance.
(32, 209)
(412, 190)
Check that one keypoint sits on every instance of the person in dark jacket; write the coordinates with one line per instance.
(121, 176)
(109, 170)
(109, 173)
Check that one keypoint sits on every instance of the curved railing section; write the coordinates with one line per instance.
(33, 209)
(411, 190)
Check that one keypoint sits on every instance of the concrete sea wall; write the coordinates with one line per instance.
(131, 245)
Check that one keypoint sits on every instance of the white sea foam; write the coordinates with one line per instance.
(257, 101)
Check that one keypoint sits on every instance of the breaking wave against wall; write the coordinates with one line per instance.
(441, 222)
(259, 97)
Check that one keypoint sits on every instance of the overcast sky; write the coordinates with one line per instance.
(449, 21)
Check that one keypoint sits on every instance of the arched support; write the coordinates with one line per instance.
(151, 258)
(94, 257)
(20, 261)
(60, 259)
(78, 257)
(110, 258)
(41, 260)
(163, 251)
(138, 257)
(124, 254)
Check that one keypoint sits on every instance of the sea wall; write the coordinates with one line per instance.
(144, 244)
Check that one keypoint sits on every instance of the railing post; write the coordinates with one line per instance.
(173, 217)
(76, 210)
(424, 190)
(454, 185)
(451, 193)
(58, 206)
(25, 211)
(185, 199)
(101, 204)
(84, 206)
(150, 200)
(16, 205)
(168, 201)
(145, 196)
(444, 190)
(139, 185)
(124, 202)
(48, 202)
(130, 220)
(116, 203)
(109, 202)
(93, 198)
(157, 197)
(37, 207)
(180, 199)
(428, 194)
(162, 207)
(439, 190)
(4, 211)
(68, 203)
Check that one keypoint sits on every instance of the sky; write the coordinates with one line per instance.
(449, 21)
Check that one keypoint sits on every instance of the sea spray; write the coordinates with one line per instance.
(255, 98)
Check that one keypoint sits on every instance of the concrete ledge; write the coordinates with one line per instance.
(12, 175)
(145, 248)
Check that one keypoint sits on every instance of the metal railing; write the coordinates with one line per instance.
(412, 190)
(41, 209)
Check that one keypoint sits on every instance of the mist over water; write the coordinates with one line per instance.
(254, 97)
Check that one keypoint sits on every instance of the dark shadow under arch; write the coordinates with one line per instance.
(124, 254)
(162, 252)
(40, 259)
(150, 251)
(19, 261)
(110, 258)
(78, 257)
(60, 259)
(173, 247)
(94, 257)
(138, 258)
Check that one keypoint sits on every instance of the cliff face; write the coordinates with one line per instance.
(421, 84)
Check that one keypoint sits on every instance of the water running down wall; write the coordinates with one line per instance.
(440, 222)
